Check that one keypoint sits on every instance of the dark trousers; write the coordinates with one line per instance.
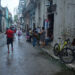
(34, 41)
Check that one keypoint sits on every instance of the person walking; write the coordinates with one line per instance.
(19, 33)
(34, 37)
(10, 36)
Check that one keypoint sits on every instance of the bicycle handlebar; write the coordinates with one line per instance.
(67, 40)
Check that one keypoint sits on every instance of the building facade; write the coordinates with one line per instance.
(64, 24)
(0, 16)
(4, 20)
(9, 19)
(20, 17)
(26, 14)
(34, 13)
(57, 15)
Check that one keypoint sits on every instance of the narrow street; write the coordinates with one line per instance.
(26, 60)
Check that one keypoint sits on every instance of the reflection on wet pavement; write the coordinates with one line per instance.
(9, 59)
(26, 60)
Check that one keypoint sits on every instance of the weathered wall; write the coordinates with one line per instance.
(64, 18)
(41, 13)
(70, 17)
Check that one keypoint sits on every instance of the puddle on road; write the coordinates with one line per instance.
(65, 73)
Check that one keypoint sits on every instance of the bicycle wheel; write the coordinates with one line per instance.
(67, 55)
(56, 49)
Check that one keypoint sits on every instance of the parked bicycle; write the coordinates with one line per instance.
(64, 51)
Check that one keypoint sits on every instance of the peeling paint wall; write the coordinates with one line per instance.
(64, 19)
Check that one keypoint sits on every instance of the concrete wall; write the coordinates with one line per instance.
(41, 13)
(3, 24)
(7, 17)
(37, 14)
(70, 17)
(64, 19)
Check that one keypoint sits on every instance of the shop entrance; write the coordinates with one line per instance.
(51, 25)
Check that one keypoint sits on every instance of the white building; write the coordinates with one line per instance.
(64, 19)
(41, 12)
(59, 14)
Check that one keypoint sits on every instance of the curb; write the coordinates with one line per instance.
(71, 66)
(50, 52)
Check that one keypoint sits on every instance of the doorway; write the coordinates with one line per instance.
(51, 25)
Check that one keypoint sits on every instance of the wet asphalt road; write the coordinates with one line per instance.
(26, 60)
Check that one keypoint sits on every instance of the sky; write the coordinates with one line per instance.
(11, 4)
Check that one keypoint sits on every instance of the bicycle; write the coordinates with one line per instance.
(65, 53)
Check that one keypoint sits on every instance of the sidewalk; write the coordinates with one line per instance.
(2, 39)
(50, 52)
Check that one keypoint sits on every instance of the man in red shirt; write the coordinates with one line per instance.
(10, 36)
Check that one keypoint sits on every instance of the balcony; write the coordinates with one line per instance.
(31, 6)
